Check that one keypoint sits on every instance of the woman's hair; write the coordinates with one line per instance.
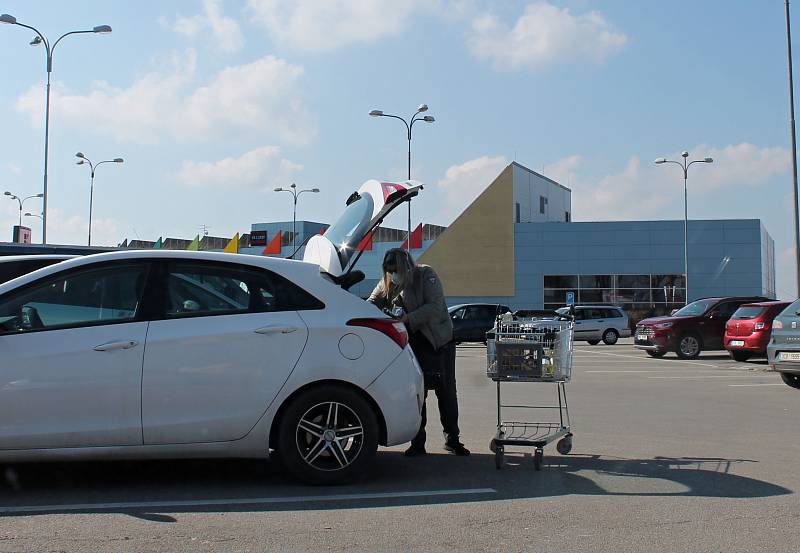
(398, 260)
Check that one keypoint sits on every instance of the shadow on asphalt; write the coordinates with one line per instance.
(45, 487)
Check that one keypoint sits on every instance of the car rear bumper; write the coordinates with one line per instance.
(753, 343)
(400, 394)
(788, 367)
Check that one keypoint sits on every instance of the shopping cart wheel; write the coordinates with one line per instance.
(538, 457)
(498, 456)
(564, 446)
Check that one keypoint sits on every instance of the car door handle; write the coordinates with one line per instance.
(113, 346)
(276, 329)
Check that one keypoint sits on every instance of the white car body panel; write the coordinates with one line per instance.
(57, 391)
(209, 379)
(103, 405)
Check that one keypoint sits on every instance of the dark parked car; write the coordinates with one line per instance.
(747, 332)
(472, 321)
(13, 266)
(688, 331)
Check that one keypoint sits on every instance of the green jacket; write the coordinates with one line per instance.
(424, 303)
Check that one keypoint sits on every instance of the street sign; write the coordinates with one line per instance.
(570, 298)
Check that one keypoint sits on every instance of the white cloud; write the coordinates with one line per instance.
(543, 35)
(260, 97)
(641, 190)
(319, 25)
(223, 31)
(14, 169)
(463, 183)
(259, 168)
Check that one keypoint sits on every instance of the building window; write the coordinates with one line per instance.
(516, 207)
(566, 216)
(542, 203)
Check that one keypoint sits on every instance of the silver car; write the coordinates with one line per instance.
(593, 323)
(783, 350)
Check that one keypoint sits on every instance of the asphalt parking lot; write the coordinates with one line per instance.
(668, 455)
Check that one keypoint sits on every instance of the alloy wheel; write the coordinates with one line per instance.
(329, 436)
(690, 346)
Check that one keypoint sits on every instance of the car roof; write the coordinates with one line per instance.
(460, 305)
(766, 303)
(729, 298)
(35, 257)
(592, 306)
(285, 266)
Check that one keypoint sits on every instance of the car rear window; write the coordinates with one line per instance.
(13, 269)
(748, 312)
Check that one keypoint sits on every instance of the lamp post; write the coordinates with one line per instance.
(21, 201)
(296, 194)
(40, 39)
(794, 151)
(409, 126)
(83, 159)
(684, 165)
(33, 215)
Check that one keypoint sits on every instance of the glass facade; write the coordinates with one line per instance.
(643, 295)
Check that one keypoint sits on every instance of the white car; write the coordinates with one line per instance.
(170, 354)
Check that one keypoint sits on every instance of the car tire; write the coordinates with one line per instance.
(610, 337)
(656, 354)
(327, 435)
(740, 356)
(592, 342)
(792, 380)
(689, 346)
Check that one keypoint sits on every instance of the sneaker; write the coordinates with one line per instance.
(457, 448)
(415, 451)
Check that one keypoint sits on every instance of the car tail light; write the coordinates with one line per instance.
(761, 326)
(392, 328)
(777, 325)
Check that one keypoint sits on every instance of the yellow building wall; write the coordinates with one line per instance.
(475, 255)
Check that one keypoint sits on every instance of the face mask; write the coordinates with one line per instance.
(395, 278)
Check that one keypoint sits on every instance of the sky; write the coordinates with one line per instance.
(214, 103)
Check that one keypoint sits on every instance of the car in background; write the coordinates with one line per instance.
(697, 327)
(783, 351)
(13, 266)
(472, 321)
(175, 354)
(747, 332)
(594, 323)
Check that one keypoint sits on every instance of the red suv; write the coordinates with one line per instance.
(747, 332)
(688, 331)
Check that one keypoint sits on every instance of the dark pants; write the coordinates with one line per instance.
(439, 368)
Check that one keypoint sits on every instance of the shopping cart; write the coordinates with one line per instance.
(534, 350)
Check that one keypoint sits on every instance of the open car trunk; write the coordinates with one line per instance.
(366, 209)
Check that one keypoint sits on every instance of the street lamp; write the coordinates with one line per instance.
(40, 39)
(83, 159)
(20, 201)
(685, 164)
(409, 126)
(33, 215)
(295, 194)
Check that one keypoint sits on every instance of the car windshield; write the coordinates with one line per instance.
(694, 309)
(350, 228)
(748, 312)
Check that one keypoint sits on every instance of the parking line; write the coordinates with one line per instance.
(625, 371)
(770, 384)
(705, 377)
(238, 501)
(654, 359)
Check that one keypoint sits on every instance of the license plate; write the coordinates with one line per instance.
(789, 356)
(642, 337)
(737, 342)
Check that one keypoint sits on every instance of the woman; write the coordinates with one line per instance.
(416, 292)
